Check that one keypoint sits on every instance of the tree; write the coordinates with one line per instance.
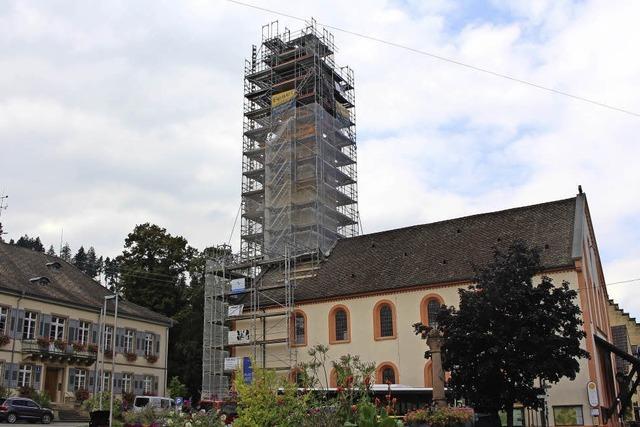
(65, 252)
(153, 266)
(91, 265)
(30, 243)
(80, 259)
(176, 388)
(51, 251)
(511, 336)
(110, 273)
(1, 233)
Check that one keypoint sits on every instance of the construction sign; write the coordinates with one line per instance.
(282, 97)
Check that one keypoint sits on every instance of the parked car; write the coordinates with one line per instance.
(156, 402)
(21, 408)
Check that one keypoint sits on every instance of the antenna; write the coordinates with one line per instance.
(3, 206)
(61, 235)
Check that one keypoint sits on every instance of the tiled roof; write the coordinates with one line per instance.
(68, 285)
(439, 252)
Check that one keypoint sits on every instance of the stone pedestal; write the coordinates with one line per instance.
(434, 341)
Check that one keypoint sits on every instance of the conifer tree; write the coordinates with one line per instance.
(65, 252)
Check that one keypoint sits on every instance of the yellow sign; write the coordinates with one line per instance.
(282, 97)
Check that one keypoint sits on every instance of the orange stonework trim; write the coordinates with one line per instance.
(377, 327)
(424, 315)
(382, 367)
(332, 324)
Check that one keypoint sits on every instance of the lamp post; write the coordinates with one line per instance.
(113, 352)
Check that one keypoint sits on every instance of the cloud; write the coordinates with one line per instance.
(118, 113)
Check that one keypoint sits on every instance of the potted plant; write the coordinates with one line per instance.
(151, 358)
(417, 418)
(92, 348)
(60, 344)
(4, 340)
(82, 394)
(43, 342)
(130, 356)
(79, 347)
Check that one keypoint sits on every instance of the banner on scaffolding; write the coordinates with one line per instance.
(235, 310)
(241, 336)
(282, 97)
(237, 285)
(231, 363)
(342, 110)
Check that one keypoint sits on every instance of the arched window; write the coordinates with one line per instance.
(384, 320)
(429, 309)
(298, 329)
(387, 373)
(339, 330)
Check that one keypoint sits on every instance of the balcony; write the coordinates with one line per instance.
(54, 352)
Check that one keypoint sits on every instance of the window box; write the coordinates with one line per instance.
(151, 358)
(130, 356)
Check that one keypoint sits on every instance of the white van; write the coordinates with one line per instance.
(141, 402)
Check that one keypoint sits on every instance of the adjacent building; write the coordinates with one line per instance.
(367, 292)
(50, 332)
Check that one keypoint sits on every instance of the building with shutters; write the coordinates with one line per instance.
(50, 330)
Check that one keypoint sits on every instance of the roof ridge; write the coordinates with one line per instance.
(409, 227)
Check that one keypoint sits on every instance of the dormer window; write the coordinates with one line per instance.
(40, 280)
(55, 265)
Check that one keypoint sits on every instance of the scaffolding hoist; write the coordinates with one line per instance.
(299, 195)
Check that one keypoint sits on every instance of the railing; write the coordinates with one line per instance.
(53, 352)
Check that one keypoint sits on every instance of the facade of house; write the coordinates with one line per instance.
(367, 293)
(626, 336)
(50, 332)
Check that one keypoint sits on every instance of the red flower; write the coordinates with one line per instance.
(354, 408)
(377, 401)
(388, 397)
(349, 380)
(339, 390)
(393, 401)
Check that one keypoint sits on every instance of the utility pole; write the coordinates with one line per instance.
(3, 206)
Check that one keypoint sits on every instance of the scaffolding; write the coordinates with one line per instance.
(299, 195)
(299, 177)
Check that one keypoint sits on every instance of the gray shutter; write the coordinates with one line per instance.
(13, 320)
(17, 327)
(14, 375)
(7, 375)
(36, 377)
(90, 374)
(45, 325)
(140, 343)
(72, 379)
(156, 339)
(120, 340)
(93, 332)
(117, 383)
(74, 324)
(155, 385)
(137, 384)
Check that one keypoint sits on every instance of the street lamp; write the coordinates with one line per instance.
(113, 351)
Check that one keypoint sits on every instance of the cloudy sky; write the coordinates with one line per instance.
(116, 113)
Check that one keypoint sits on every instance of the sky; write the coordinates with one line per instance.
(116, 113)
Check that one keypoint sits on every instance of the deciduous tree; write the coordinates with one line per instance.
(510, 335)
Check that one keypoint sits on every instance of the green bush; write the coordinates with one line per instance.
(93, 403)
(177, 388)
(42, 398)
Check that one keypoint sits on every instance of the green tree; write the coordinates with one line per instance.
(51, 251)
(1, 233)
(153, 269)
(177, 388)
(110, 273)
(510, 335)
(65, 252)
(91, 264)
(80, 259)
(32, 243)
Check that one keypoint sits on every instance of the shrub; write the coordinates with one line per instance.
(130, 356)
(419, 416)
(92, 348)
(151, 358)
(42, 398)
(78, 347)
(93, 403)
(447, 417)
(4, 340)
(26, 391)
(60, 345)
(4, 392)
(176, 388)
(82, 394)
(128, 398)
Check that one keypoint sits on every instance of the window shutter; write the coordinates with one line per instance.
(13, 320)
(90, 379)
(7, 374)
(137, 384)
(17, 327)
(36, 377)
(155, 384)
(14, 375)
(72, 379)
(117, 383)
(157, 341)
(74, 324)
(47, 325)
(140, 343)
(94, 333)
(120, 340)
